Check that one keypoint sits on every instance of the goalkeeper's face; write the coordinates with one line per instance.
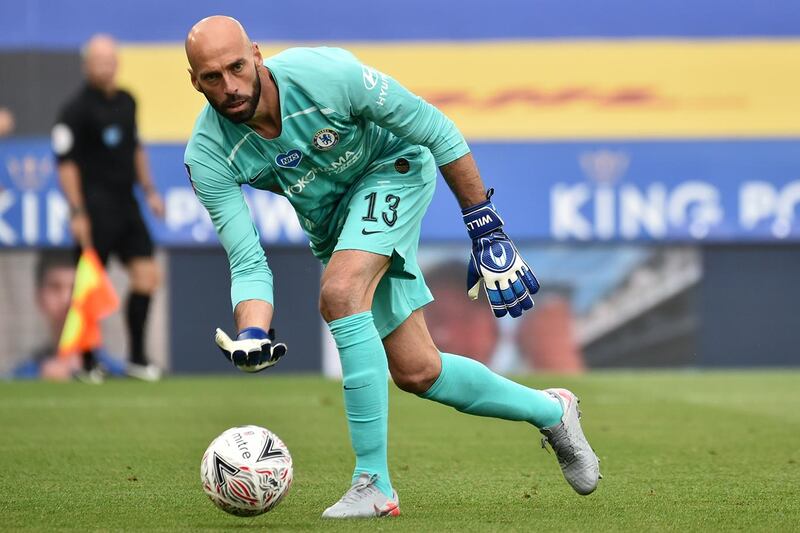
(239, 107)
(235, 94)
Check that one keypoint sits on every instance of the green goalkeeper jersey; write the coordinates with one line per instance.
(341, 120)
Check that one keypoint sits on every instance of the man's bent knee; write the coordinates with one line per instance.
(416, 381)
(339, 298)
(349, 282)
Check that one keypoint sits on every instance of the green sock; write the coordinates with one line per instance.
(366, 393)
(471, 387)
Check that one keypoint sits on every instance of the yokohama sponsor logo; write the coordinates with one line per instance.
(345, 161)
(301, 184)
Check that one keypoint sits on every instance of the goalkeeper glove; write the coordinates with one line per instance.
(252, 351)
(508, 280)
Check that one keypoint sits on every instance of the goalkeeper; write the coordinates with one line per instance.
(355, 153)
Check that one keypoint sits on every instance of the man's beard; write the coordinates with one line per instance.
(246, 113)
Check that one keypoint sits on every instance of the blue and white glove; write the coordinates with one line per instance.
(252, 351)
(507, 278)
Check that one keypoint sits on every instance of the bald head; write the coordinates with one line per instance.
(100, 61)
(224, 66)
(214, 36)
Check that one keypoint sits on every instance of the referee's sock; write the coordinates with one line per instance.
(89, 360)
(136, 315)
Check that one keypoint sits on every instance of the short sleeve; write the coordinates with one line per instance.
(65, 135)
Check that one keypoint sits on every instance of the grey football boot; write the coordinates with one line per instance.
(578, 462)
(364, 500)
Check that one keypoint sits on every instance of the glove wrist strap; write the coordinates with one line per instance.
(482, 218)
(252, 333)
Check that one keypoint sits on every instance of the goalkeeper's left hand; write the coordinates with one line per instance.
(508, 280)
(252, 351)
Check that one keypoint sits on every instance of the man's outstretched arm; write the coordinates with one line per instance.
(253, 348)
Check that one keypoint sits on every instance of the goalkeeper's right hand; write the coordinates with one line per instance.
(252, 351)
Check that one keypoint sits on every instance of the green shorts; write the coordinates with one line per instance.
(383, 216)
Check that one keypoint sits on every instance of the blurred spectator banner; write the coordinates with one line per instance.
(533, 90)
(674, 191)
(600, 306)
(33, 212)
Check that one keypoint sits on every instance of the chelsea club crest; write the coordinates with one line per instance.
(325, 139)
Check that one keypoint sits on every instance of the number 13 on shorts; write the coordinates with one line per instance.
(388, 215)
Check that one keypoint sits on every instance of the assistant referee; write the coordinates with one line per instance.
(99, 161)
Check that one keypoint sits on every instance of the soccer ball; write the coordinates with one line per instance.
(246, 471)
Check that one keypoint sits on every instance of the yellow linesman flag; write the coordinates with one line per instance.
(93, 298)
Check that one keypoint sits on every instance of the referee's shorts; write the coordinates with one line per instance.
(120, 230)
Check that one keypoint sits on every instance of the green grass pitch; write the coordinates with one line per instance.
(679, 451)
